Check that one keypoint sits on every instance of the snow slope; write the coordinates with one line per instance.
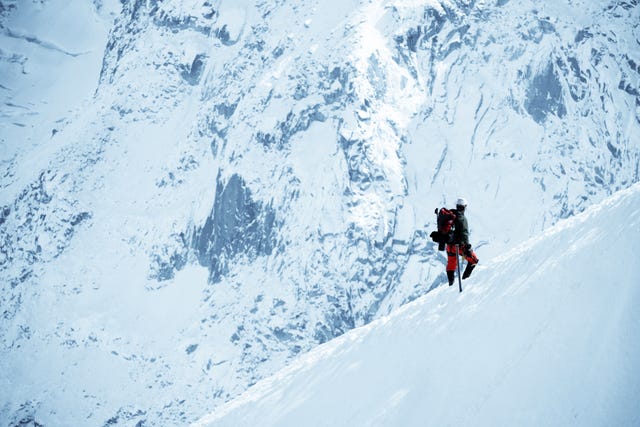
(547, 335)
(193, 193)
(50, 57)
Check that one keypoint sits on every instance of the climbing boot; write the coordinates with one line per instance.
(450, 275)
(468, 270)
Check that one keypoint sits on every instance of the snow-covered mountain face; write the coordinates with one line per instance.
(531, 342)
(195, 192)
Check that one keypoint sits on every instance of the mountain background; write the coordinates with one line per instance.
(195, 193)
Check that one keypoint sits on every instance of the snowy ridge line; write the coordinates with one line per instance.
(435, 310)
(572, 221)
(264, 387)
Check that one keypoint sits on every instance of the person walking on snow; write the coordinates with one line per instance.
(460, 244)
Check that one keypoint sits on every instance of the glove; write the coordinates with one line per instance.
(467, 249)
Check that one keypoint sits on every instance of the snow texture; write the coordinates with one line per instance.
(546, 335)
(194, 194)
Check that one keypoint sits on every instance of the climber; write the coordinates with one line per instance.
(460, 244)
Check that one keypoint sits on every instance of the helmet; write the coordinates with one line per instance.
(461, 202)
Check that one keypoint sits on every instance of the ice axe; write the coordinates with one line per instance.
(458, 263)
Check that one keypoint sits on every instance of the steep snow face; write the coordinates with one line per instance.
(540, 337)
(50, 55)
(248, 179)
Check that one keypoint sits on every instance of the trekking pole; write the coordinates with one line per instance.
(458, 263)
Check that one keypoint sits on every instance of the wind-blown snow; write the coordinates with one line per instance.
(546, 335)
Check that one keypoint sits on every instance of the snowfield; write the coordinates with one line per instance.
(547, 335)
